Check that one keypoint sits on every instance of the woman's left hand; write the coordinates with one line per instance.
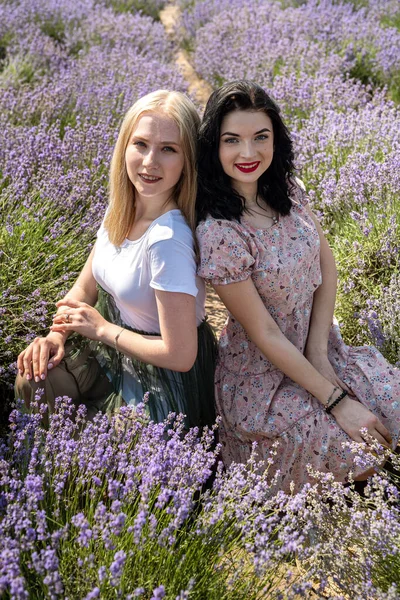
(321, 363)
(80, 317)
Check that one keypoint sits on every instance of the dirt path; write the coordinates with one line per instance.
(198, 88)
(201, 90)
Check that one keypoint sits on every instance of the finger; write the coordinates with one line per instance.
(27, 365)
(43, 361)
(36, 362)
(69, 302)
(56, 358)
(380, 439)
(356, 437)
(385, 433)
(62, 318)
(20, 362)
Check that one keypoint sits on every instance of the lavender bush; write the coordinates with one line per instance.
(111, 509)
(120, 508)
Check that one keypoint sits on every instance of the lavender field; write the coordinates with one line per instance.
(114, 512)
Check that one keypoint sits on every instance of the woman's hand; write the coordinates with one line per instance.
(80, 317)
(321, 363)
(352, 416)
(42, 354)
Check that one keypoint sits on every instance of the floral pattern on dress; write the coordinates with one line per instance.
(257, 401)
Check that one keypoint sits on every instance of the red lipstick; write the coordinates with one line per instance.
(247, 167)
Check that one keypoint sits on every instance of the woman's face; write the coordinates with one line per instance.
(246, 148)
(154, 156)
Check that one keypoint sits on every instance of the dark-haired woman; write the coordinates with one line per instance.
(284, 372)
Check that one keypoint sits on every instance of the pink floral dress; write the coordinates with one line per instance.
(257, 401)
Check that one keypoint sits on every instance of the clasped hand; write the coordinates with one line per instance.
(44, 353)
(79, 317)
(350, 414)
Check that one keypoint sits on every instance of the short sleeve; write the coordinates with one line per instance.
(173, 267)
(225, 255)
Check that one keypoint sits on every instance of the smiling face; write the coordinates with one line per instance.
(154, 157)
(246, 148)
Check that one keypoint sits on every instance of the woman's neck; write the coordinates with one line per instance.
(148, 209)
(248, 192)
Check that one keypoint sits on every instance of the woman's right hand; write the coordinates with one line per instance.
(42, 354)
(352, 416)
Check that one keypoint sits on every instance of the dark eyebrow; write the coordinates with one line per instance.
(237, 135)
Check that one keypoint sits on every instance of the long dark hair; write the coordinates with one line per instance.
(215, 196)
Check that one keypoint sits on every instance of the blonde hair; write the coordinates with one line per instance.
(121, 212)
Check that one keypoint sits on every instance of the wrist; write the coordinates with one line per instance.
(337, 398)
(106, 333)
(319, 348)
(62, 335)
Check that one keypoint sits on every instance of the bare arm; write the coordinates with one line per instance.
(316, 350)
(324, 297)
(175, 349)
(244, 303)
(84, 288)
(47, 352)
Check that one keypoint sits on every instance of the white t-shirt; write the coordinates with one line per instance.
(162, 259)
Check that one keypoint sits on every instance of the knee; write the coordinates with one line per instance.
(23, 390)
(28, 391)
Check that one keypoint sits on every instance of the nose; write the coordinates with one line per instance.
(150, 159)
(247, 149)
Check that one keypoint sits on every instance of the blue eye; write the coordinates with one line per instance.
(139, 144)
(262, 137)
(230, 140)
(169, 149)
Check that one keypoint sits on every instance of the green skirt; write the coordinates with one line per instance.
(190, 393)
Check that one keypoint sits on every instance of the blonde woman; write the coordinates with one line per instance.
(147, 332)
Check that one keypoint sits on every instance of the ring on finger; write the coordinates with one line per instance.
(68, 318)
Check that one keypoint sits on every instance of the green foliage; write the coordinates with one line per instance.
(363, 70)
(4, 43)
(365, 264)
(32, 281)
(188, 44)
(278, 67)
(391, 21)
(394, 88)
(54, 28)
(19, 70)
(218, 80)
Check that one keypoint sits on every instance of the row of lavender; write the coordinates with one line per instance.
(119, 509)
(334, 68)
(68, 73)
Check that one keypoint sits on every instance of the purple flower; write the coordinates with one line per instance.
(158, 592)
(117, 567)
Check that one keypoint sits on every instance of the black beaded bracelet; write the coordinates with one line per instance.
(335, 402)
